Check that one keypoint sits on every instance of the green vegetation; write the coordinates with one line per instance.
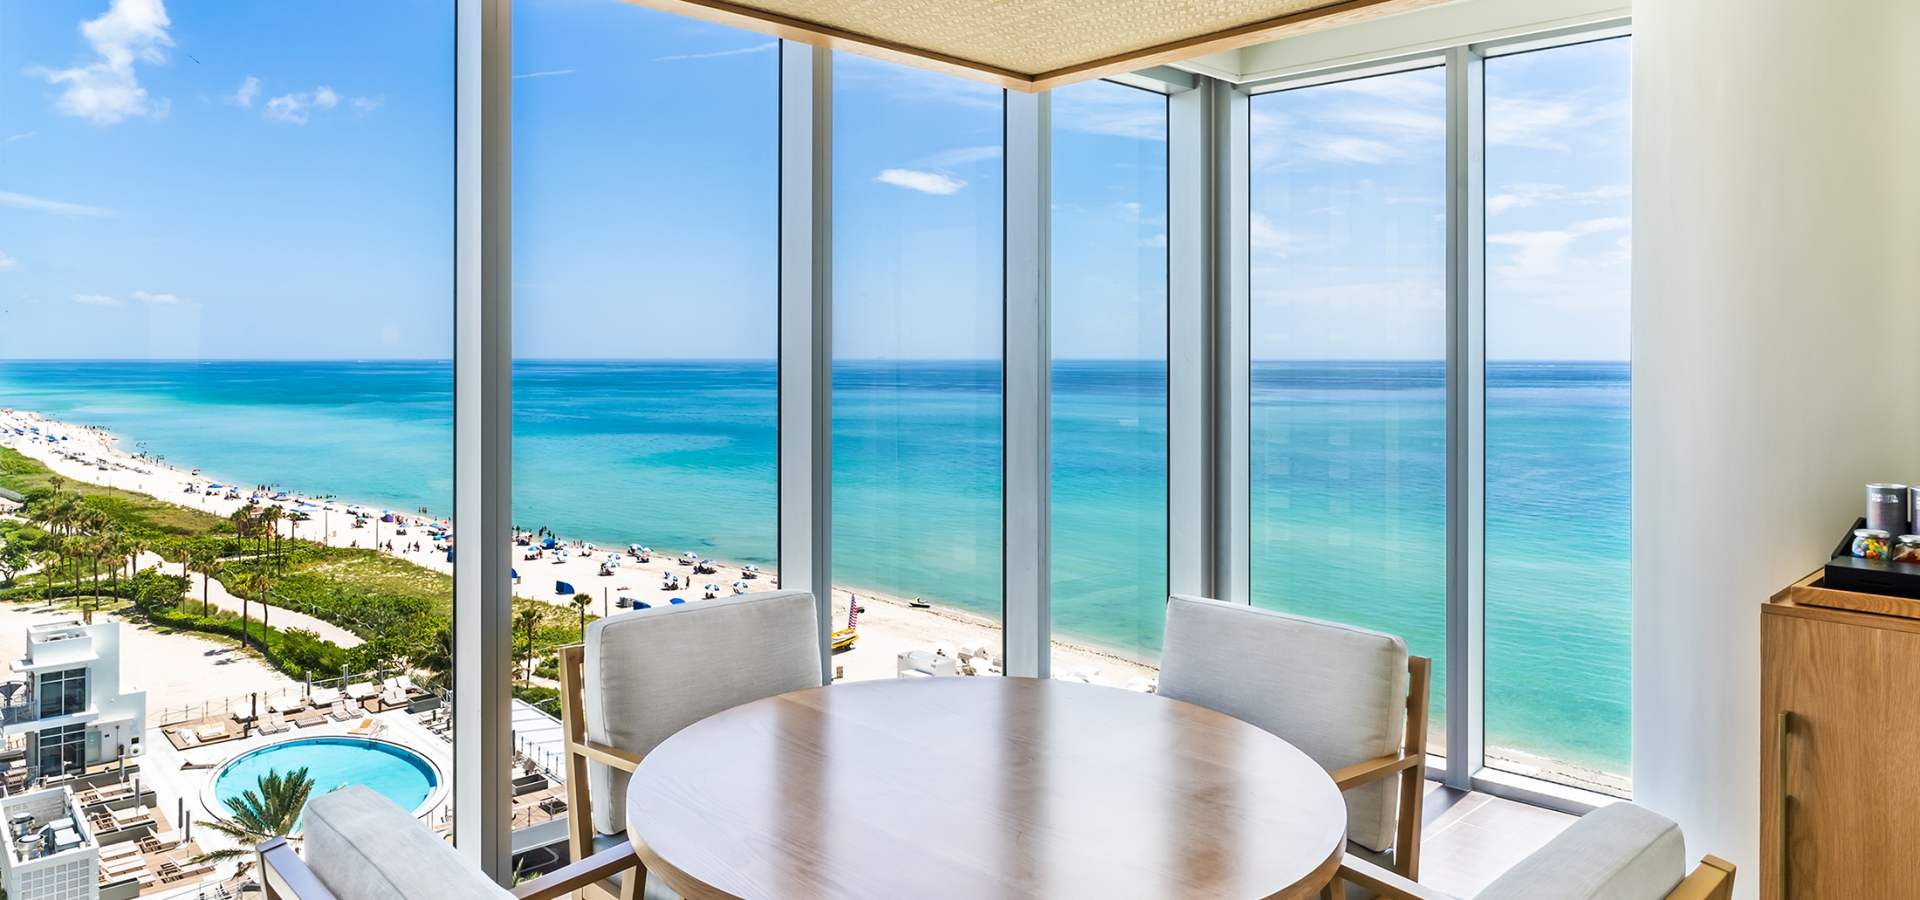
(259, 817)
(84, 541)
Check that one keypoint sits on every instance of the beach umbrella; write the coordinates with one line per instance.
(588, 546)
(676, 600)
(642, 604)
(741, 586)
(689, 555)
(753, 568)
(711, 587)
(561, 587)
(216, 485)
(515, 573)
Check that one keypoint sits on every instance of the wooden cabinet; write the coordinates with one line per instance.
(1840, 737)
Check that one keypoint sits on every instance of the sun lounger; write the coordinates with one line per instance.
(160, 843)
(187, 736)
(324, 697)
(119, 851)
(393, 698)
(368, 727)
(363, 690)
(131, 815)
(274, 724)
(312, 718)
(119, 868)
(344, 711)
(287, 705)
(211, 732)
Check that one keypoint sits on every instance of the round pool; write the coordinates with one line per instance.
(400, 774)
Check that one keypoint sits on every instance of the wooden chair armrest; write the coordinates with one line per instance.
(574, 876)
(1383, 881)
(1374, 769)
(613, 756)
(1711, 880)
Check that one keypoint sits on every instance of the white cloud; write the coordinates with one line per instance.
(95, 300)
(1541, 256)
(22, 201)
(249, 89)
(7, 262)
(924, 182)
(108, 91)
(757, 48)
(22, 137)
(1526, 122)
(1121, 113)
(1525, 194)
(298, 108)
(947, 159)
(160, 299)
(544, 74)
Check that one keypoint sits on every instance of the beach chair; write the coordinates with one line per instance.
(363, 691)
(613, 712)
(159, 842)
(287, 706)
(122, 850)
(344, 711)
(1351, 699)
(394, 698)
(323, 698)
(187, 736)
(313, 717)
(368, 727)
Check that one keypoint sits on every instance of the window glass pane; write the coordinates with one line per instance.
(916, 372)
(645, 264)
(1559, 450)
(1109, 382)
(227, 251)
(1348, 418)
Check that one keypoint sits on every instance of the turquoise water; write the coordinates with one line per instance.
(397, 773)
(1347, 508)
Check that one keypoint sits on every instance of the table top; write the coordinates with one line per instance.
(982, 787)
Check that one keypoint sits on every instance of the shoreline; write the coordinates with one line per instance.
(940, 624)
(886, 627)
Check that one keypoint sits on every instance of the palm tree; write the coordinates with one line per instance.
(527, 618)
(252, 584)
(270, 519)
(50, 560)
(258, 818)
(581, 602)
(204, 561)
(436, 657)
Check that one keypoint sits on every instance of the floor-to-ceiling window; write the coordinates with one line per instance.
(645, 262)
(226, 257)
(916, 371)
(1347, 341)
(1559, 492)
(1109, 326)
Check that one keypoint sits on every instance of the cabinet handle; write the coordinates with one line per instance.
(1782, 723)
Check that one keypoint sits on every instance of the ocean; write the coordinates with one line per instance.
(1348, 506)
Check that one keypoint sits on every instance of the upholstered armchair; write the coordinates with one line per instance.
(639, 677)
(1618, 852)
(1351, 699)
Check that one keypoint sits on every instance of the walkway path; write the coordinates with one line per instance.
(280, 617)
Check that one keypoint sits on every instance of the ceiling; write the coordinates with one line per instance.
(1034, 45)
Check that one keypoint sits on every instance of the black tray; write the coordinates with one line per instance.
(1847, 573)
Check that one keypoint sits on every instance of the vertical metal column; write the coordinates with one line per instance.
(1207, 374)
(1026, 360)
(806, 330)
(1233, 534)
(1466, 416)
(483, 435)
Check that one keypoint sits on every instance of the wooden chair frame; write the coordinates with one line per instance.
(1711, 880)
(579, 751)
(1410, 763)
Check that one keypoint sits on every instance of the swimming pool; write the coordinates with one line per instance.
(402, 775)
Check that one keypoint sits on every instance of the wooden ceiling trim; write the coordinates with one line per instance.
(748, 18)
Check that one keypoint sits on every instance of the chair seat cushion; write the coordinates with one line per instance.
(1617, 852)
(364, 847)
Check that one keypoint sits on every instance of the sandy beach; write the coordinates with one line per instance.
(886, 625)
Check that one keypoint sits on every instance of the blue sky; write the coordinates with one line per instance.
(1348, 212)
(274, 180)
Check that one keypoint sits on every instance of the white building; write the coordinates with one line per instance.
(50, 852)
(70, 703)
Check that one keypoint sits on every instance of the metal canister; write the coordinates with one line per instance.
(1887, 508)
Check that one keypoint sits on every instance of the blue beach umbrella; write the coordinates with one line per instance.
(561, 587)
(676, 600)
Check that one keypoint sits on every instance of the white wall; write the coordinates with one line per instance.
(1776, 303)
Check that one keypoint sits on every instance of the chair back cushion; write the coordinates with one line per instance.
(650, 673)
(1617, 852)
(364, 847)
(1336, 692)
